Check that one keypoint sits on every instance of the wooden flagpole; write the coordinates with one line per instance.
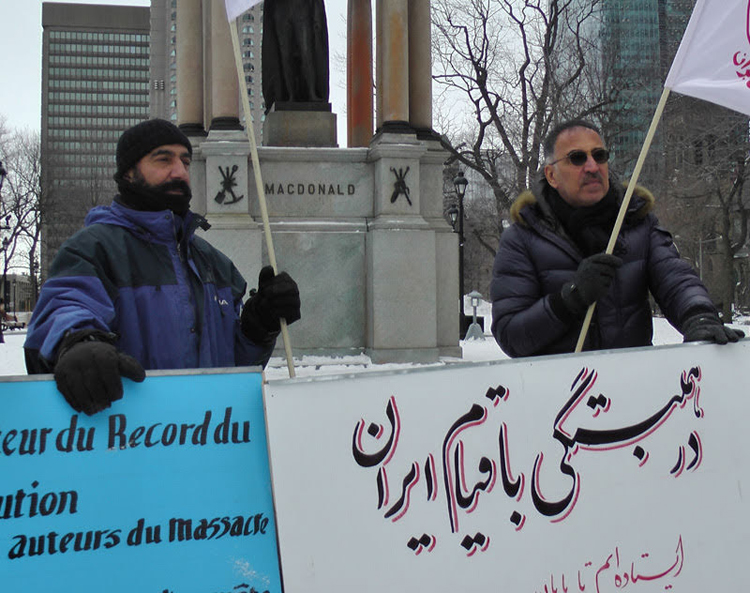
(258, 179)
(625, 203)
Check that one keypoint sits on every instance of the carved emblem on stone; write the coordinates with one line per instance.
(400, 186)
(228, 182)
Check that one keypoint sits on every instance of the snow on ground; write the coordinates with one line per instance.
(12, 363)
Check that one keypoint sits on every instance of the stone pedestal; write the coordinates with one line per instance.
(362, 233)
(300, 124)
(401, 263)
(226, 180)
(446, 249)
(401, 286)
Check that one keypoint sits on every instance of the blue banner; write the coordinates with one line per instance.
(168, 491)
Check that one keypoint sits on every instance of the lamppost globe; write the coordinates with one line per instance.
(460, 182)
(453, 216)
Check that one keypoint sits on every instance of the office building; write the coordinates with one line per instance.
(95, 84)
(639, 41)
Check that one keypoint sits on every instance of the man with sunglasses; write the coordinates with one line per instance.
(551, 266)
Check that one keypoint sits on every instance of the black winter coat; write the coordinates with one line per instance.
(535, 258)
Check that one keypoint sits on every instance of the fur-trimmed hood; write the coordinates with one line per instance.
(641, 203)
(536, 259)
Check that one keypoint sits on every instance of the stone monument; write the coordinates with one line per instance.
(361, 229)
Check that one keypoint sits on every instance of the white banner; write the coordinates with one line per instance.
(236, 7)
(713, 60)
(587, 472)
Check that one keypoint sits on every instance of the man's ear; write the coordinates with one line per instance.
(549, 174)
(129, 174)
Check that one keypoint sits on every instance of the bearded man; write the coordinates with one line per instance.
(137, 289)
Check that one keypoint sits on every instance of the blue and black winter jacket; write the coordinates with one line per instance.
(171, 299)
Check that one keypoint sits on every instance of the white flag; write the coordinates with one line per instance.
(236, 7)
(713, 61)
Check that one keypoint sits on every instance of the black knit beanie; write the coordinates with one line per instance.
(138, 141)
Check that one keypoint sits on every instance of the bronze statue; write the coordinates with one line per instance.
(295, 52)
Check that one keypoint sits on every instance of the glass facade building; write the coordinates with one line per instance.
(639, 41)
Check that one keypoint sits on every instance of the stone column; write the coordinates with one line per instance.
(224, 84)
(393, 67)
(359, 73)
(190, 67)
(227, 183)
(420, 67)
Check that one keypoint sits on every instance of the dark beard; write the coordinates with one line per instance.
(139, 195)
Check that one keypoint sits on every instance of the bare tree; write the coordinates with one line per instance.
(703, 198)
(521, 66)
(508, 71)
(20, 202)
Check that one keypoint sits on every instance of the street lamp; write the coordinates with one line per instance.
(3, 173)
(460, 184)
(34, 266)
(6, 242)
(475, 331)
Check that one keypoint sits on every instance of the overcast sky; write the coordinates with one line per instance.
(21, 59)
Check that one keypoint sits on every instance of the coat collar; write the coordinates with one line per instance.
(161, 224)
(641, 203)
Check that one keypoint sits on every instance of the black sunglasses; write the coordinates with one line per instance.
(578, 158)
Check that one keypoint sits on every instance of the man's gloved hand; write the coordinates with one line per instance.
(88, 371)
(591, 281)
(277, 297)
(707, 327)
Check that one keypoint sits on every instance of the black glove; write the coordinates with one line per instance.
(707, 327)
(591, 282)
(277, 297)
(89, 368)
